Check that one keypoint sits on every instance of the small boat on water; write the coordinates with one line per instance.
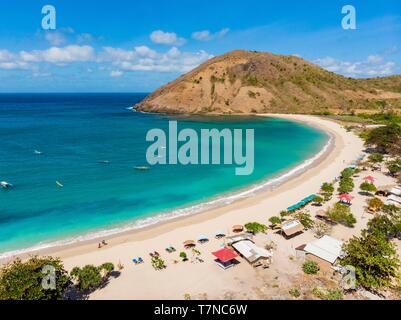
(141, 168)
(5, 185)
(59, 184)
(104, 161)
(37, 152)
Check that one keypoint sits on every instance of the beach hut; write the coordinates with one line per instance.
(345, 198)
(219, 234)
(238, 228)
(202, 239)
(225, 257)
(292, 227)
(369, 179)
(189, 244)
(255, 255)
(324, 250)
(239, 237)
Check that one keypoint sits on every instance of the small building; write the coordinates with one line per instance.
(225, 257)
(244, 236)
(255, 255)
(324, 250)
(292, 227)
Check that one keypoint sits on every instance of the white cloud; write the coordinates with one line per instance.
(145, 51)
(372, 66)
(85, 37)
(206, 35)
(171, 61)
(55, 38)
(14, 65)
(116, 73)
(169, 38)
(71, 53)
(110, 53)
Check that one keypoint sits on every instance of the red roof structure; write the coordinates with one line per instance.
(225, 254)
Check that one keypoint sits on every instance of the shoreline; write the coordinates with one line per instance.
(241, 198)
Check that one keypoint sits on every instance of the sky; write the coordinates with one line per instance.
(137, 46)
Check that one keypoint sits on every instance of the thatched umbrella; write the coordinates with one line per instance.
(189, 243)
(238, 228)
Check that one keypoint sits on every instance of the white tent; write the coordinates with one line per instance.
(326, 248)
(251, 251)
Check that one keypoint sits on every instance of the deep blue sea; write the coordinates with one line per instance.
(76, 132)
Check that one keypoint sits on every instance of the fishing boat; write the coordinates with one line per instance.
(104, 161)
(5, 185)
(37, 152)
(59, 184)
(141, 168)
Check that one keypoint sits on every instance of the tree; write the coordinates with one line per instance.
(367, 187)
(284, 214)
(347, 173)
(306, 219)
(383, 226)
(374, 259)
(23, 280)
(327, 187)
(375, 204)
(375, 157)
(341, 213)
(390, 209)
(346, 185)
(386, 139)
(317, 200)
(394, 166)
(90, 277)
(275, 221)
(310, 267)
(255, 227)
(158, 263)
(183, 256)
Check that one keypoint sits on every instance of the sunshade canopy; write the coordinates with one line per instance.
(225, 254)
(369, 178)
(189, 243)
(202, 238)
(345, 197)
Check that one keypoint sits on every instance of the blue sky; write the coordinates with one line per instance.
(136, 46)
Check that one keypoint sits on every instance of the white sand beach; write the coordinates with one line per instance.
(207, 280)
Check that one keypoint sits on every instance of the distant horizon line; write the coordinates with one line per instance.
(75, 92)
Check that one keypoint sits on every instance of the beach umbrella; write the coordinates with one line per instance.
(189, 243)
(220, 234)
(369, 179)
(345, 197)
(203, 238)
(238, 228)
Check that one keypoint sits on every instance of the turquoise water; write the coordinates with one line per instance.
(76, 131)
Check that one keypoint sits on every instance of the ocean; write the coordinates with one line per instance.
(90, 143)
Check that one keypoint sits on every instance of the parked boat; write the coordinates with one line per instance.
(5, 185)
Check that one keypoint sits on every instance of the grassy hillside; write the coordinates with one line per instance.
(260, 82)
